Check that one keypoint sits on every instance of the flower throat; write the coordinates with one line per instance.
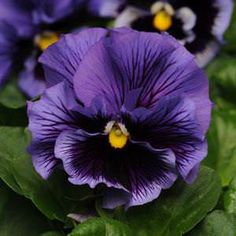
(117, 134)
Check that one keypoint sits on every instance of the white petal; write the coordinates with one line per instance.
(208, 54)
(129, 15)
(187, 16)
(223, 18)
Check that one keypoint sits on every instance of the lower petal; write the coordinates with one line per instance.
(138, 169)
(84, 158)
(149, 171)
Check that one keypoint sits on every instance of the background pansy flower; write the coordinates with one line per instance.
(106, 8)
(198, 25)
(8, 36)
(131, 112)
(36, 24)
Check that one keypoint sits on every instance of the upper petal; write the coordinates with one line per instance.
(156, 64)
(62, 59)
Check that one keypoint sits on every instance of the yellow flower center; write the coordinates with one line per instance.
(46, 39)
(162, 20)
(117, 135)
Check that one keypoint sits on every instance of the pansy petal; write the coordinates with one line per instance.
(62, 59)
(31, 79)
(126, 62)
(172, 115)
(138, 169)
(6, 67)
(8, 48)
(129, 15)
(51, 115)
(203, 57)
(18, 14)
(48, 118)
(54, 10)
(150, 61)
(105, 8)
(83, 157)
(150, 170)
(188, 157)
(222, 20)
(113, 198)
(192, 175)
(54, 113)
(171, 125)
(187, 16)
(43, 157)
(213, 18)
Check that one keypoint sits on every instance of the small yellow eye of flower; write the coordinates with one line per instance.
(117, 138)
(46, 39)
(162, 20)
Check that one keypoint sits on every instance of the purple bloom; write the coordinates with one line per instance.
(106, 8)
(7, 42)
(131, 112)
(198, 24)
(28, 28)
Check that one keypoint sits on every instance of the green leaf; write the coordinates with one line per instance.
(13, 116)
(18, 216)
(230, 34)
(10, 95)
(179, 209)
(230, 198)
(101, 226)
(222, 146)
(176, 212)
(222, 72)
(16, 170)
(53, 233)
(54, 197)
(217, 223)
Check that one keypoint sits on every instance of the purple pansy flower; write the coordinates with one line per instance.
(198, 24)
(131, 112)
(27, 28)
